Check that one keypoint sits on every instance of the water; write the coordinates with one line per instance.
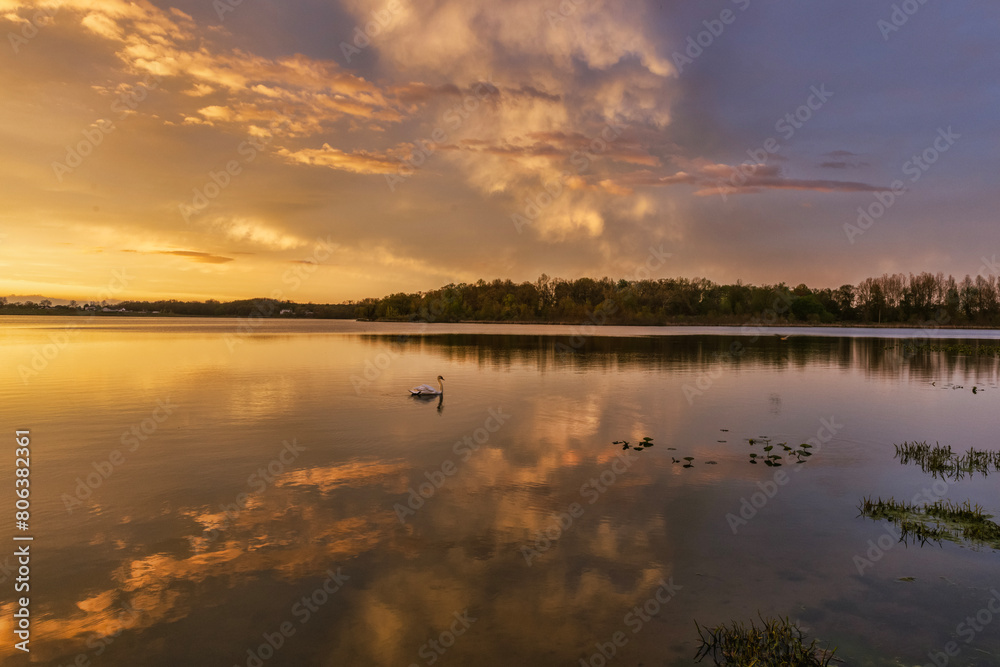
(193, 480)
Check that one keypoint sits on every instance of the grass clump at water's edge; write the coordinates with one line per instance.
(939, 460)
(776, 643)
(941, 520)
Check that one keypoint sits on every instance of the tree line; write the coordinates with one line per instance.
(925, 300)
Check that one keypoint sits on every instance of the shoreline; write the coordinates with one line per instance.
(728, 325)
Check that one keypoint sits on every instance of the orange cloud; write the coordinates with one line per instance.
(360, 162)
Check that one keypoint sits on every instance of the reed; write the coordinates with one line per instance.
(776, 643)
(941, 461)
(938, 521)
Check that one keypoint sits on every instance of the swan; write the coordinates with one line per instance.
(427, 390)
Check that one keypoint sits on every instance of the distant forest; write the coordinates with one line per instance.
(894, 299)
(890, 299)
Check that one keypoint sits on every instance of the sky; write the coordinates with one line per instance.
(327, 150)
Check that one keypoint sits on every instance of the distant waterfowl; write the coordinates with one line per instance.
(780, 337)
(427, 390)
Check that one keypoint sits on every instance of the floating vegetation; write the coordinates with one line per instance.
(938, 460)
(941, 520)
(774, 460)
(791, 454)
(776, 643)
(646, 442)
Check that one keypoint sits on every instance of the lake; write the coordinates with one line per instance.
(217, 492)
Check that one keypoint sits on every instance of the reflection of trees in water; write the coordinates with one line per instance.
(879, 357)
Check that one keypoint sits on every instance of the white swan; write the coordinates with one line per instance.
(427, 390)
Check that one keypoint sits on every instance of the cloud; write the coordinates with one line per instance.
(361, 162)
(291, 95)
(843, 160)
(723, 179)
(256, 232)
(193, 255)
(569, 115)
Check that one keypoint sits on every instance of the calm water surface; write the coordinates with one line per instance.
(198, 488)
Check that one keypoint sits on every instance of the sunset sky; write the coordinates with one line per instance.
(241, 148)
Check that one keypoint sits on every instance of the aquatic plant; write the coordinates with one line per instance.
(776, 643)
(646, 442)
(938, 521)
(942, 461)
(774, 460)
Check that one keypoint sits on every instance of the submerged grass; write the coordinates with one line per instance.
(942, 461)
(776, 643)
(941, 520)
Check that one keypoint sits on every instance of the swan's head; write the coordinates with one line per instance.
(440, 378)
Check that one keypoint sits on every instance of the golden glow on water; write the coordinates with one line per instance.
(277, 464)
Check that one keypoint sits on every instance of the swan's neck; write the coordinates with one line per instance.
(441, 386)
